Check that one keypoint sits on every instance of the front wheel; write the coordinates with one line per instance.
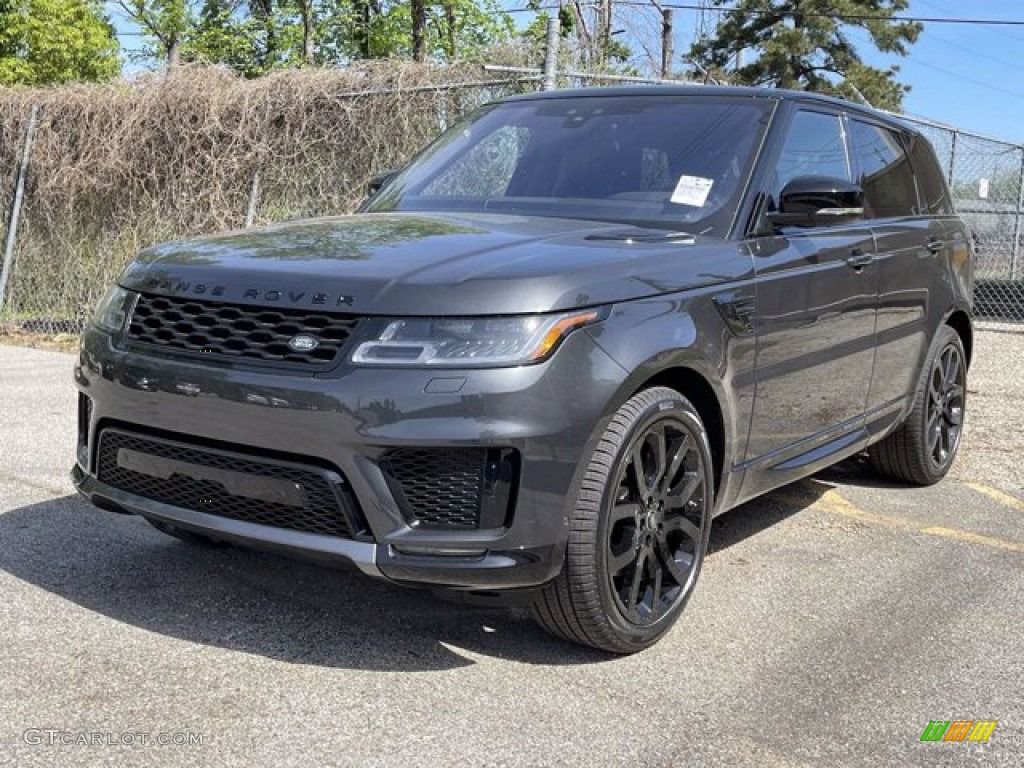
(639, 528)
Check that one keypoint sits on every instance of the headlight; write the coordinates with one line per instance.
(112, 312)
(471, 341)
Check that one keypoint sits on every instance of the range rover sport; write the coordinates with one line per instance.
(543, 356)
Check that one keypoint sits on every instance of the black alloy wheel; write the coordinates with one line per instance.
(946, 389)
(638, 530)
(656, 520)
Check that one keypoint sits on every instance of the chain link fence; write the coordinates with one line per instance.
(102, 171)
(107, 170)
(986, 178)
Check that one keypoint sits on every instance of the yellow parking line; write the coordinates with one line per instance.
(830, 501)
(1003, 498)
(974, 538)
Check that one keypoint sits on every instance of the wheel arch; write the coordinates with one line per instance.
(699, 391)
(960, 322)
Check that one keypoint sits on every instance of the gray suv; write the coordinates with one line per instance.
(544, 355)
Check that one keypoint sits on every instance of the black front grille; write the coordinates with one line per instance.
(452, 487)
(236, 331)
(239, 487)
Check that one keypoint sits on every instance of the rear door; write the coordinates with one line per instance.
(912, 237)
(815, 316)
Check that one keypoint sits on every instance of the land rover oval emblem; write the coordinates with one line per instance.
(304, 343)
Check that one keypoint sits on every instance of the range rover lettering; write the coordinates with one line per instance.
(541, 358)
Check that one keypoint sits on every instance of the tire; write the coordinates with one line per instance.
(924, 446)
(195, 539)
(636, 540)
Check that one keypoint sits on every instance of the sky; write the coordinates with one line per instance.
(967, 75)
(970, 76)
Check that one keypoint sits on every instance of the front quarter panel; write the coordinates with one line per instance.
(658, 339)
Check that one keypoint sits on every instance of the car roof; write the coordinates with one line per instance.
(728, 91)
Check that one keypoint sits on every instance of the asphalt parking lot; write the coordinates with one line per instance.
(834, 620)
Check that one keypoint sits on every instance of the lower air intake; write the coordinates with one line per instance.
(461, 488)
(230, 485)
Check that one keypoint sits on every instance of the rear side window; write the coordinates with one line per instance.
(885, 172)
(931, 185)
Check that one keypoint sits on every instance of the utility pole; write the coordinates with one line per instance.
(604, 31)
(666, 43)
(551, 55)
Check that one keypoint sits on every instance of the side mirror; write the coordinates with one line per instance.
(378, 181)
(817, 201)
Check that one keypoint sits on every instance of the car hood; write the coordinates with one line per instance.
(433, 264)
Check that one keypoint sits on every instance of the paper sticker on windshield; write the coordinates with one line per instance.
(692, 190)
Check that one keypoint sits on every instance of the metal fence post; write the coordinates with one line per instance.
(15, 215)
(551, 55)
(1015, 249)
(254, 195)
(952, 158)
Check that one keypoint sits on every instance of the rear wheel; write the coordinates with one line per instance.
(639, 529)
(923, 448)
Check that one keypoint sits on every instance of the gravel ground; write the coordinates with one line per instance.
(994, 438)
(834, 619)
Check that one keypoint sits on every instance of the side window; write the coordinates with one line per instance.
(485, 171)
(931, 185)
(813, 147)
(885, 172)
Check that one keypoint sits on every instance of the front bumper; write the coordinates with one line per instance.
(549, 414)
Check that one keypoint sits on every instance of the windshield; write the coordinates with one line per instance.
(654, 160)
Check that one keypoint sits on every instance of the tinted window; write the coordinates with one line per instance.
(885, 172)
(931, 185)
(814, 147)
(636, 159)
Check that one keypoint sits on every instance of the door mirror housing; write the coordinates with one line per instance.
(377, 182)
(818, 201)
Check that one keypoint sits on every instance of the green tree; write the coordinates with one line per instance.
(255, 37)
(165, 22)
(453, 29)
(55, 41)
(805, 44)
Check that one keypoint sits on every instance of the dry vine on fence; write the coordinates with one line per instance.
(116, 167)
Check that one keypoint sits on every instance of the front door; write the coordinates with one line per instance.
(816, 298)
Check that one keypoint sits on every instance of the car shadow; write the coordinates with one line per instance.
(857, 470)
(256, 602)
(749, 519)
(293, 611)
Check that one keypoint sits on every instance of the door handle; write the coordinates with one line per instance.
(857, 260)
(935, 244)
